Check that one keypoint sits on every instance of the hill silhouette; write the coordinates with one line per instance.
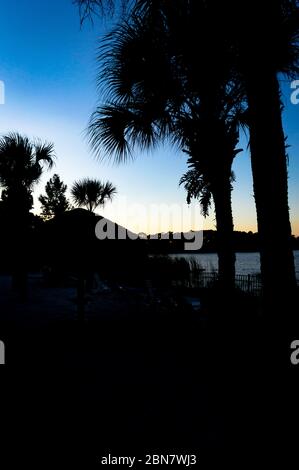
(69, 241)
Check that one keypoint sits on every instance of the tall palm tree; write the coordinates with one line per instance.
(21, 165)
(259, 58)
(215, 181)
(92, 193)
(198, 115)
(268, 148)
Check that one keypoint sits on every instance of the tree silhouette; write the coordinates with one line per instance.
(267, 144)
(257, 60)
(254, 61)
(91, 193)
(21, 165)
(144, 110)
(54, 202)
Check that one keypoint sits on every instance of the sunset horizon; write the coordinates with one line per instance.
(149, 212)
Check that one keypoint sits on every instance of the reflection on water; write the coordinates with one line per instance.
(246, 263)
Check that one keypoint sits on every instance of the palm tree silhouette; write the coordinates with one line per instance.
(91, 193)
(145, 109)
(258, 60)
(212, 146)
(268, 147)
(21, 165)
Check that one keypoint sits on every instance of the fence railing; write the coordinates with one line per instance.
(250, 283)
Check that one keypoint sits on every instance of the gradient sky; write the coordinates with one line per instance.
(48, 65)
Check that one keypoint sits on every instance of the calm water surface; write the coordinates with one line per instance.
(246, 263)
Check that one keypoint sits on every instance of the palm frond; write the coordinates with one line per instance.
(78, 193)
(90, 8)
(107, 133)
(44, 153)
(117, 130)
(197, 188)
(108, 191)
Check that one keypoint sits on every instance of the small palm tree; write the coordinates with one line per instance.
(91, 193)
(21, 165)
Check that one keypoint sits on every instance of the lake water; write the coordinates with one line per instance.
(246, 263)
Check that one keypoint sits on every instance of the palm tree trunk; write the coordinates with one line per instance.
(225, 230)
(20, 241)
(269, 169)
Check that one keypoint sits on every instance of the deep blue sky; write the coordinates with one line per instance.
(48, 65)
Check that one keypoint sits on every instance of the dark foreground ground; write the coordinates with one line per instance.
(136, 378)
